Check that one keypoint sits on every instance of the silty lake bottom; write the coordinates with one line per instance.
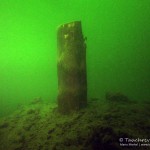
(114, 123)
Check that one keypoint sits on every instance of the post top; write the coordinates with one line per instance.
(70, 24)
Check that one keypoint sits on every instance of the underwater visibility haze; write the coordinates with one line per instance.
(117, 36)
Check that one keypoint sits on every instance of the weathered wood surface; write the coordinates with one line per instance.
(71, 64)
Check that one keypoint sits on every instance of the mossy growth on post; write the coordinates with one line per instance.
(71, 65)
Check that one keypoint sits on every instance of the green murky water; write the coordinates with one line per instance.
(118, 61)
(118, 48)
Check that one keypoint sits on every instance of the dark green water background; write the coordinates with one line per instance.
(118, 48)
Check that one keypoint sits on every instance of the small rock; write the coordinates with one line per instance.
(31, 111)
(116, 97)
(36, 100)
(4, 125)
(51, 131)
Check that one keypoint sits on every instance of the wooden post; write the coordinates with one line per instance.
(71, 64)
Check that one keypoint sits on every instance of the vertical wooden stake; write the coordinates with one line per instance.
(71, 64)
